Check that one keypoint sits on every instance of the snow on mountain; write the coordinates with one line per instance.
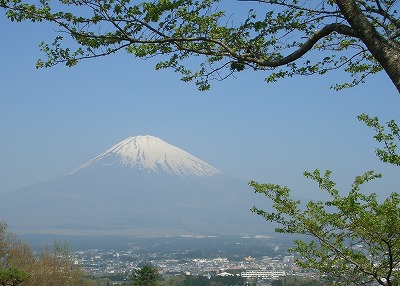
(140, 186)
(154, 155)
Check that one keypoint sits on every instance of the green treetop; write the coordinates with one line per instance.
(12, 276)
(145, 276)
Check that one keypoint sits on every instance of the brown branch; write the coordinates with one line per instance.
(306, 47)
(292, 6)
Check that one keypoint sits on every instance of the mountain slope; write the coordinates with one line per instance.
(140, 186)
(154, 155)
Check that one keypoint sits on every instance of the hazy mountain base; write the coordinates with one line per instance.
(230, 246)
(118, 200)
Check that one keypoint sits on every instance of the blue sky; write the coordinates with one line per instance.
(52, 120)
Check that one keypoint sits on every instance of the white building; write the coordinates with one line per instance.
(224, 274)
(263, 274)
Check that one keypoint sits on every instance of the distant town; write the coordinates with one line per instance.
(254, 258)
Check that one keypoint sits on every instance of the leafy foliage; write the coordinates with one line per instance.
(354, 237)
(22, 267)
(145, 276)
(12, 276)
(360, 37)
(388, 154)
(195, 280)
(296, 281)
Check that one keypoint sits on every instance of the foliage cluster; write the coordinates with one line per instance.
(20, 266)
(204, 281)
(296, 281)
(12, 276)
(145, 276)
(359, 37)
(355, 237)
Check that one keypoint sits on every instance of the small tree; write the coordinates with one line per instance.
(145, 276)
(12, 276)
(354, 237)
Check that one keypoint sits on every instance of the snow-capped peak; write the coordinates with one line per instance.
(154, 155)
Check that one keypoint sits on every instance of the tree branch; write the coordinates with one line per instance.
(307, 46)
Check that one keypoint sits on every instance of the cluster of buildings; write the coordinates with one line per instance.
(110, 262)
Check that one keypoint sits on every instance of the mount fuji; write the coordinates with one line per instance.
(154, 155)
(140, 186)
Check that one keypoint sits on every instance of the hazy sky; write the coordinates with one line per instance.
(52, 120)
